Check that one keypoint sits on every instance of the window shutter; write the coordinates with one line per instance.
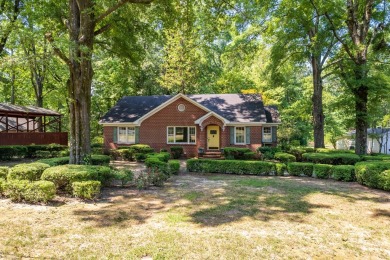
(248, 134)
(232, 135)
(136, 134)
(274, 134)
(115, 136)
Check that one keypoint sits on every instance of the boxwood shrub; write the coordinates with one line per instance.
(230, 166)
(332, 158)
(27, 171)
(343, 173)
(7, 152)
(157, 165)
(86, 189)
(177, 151)
(280, 168)
(2, 185)
(373, 174)
(327, 150)
(298, 168)
(24, 190)
(96, 159)
(382, 157)
(162, 156)
(298, 151)
(285, 157)
(173, 166)
(235, 153)
(384, 178)
(124, 176)
(4, 172)
(322, 171)
(64, 175)
(268, 153)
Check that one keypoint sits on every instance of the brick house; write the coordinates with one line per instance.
(210, 122)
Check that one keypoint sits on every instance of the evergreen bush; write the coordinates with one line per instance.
(86, 189)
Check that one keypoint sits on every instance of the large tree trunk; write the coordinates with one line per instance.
(82, 26)
(361, 122)
(318, 113)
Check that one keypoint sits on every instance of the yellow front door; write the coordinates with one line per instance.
(213, 137)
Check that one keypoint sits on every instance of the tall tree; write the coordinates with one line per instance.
(9, 12)
(84, 23)
(364, 21)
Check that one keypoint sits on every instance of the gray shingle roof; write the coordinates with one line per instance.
(234, 107)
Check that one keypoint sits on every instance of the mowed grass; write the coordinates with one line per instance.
(206, 217)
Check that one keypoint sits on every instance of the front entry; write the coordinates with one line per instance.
(213, 137)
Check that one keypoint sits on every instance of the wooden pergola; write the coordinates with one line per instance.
(30, 125)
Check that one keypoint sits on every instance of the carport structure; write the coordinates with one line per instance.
(21, 125)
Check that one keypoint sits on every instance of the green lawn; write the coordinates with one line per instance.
(206, 217)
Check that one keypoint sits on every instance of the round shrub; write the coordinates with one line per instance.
(370, 173)
(24, 190)
(124, 176)
(86, 189)
(27, 171)
(64, 175)
(343, 172)
(267, 152)
(4, 172)
(322, 171)
(177, 152)
(157, 165)
(285, 157)
(298, 168)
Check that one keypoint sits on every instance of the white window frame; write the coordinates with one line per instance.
(263, 134)
(235, 134)
(127, 136)
(188, 133)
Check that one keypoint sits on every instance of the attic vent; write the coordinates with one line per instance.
(181, 107)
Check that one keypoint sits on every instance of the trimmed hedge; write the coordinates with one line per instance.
(155, 164)
(235, 153)
(24, 190)
(381, 157)
(230, 166)
(298, 168)
(332, 158)
(2, 185)
(173, 166)
(280, 168)
(55, 161)
(162, 156)
(343, 173)
(27, 171)
(64, 175)
(326, 150)
(95, 160)
(322, 171)
(9, 151)
(4, 172)
(285, 157)
(373, 174)
(86, 189)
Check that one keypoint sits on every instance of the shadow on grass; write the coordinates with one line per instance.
(213, 200)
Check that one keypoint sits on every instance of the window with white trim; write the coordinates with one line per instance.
(126, 135)
(181, 134)
(267, 134)
(240, 134)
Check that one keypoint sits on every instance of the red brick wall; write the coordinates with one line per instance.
(153, 130)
